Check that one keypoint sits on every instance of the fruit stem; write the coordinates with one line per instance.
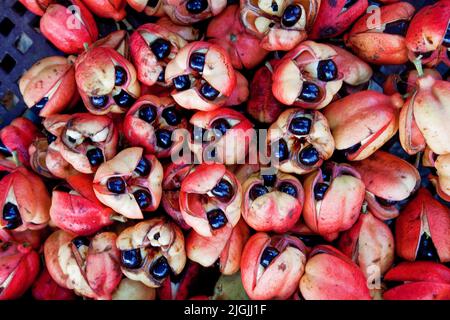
(118, 217)
(15, 158)
(127, 24)
(364, 207)
(418, 64)
(417, 162)
(86, 46)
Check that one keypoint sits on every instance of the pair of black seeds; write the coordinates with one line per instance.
(122, 99)
(132, 259)
(117, 185)
(171, 115)
(326, 71)
(307, 156)
(216, 217)
(259, 190)
(12, 215)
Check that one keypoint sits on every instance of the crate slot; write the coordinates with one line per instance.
(6, 26)
(8, 63)
(23, 43)
(34, 23)
(19, 8)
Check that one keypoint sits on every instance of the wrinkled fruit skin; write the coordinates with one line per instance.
(124, 167)
(49, 85)
(369, 243)
(265, 21)
(242, 47)
(99, 86)
(317, 140)
(426, 34)
(45, 288)
(344, 280)
(141, 132)
(110, 9)
(19, 266)
(225, 246)
(388, 179)
(431, 112)
(152, 240)
(423, 280)
(334, 17)
(229, 147)
(423, 215)
(79, 212)
(196, 205)
(275, 210)
(149, 66)
(411, 137)
(280, 277)
(76, 135)
(178, 12)
(362, 122)
(23, 195)
(217, 71)
(90, 267)
(17, 137)
(262, 105)
(344, 186)
(174, 173)
(381, 47)
(69, 28)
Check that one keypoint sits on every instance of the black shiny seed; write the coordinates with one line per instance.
(13, 224)
(291, 15)
(347, 152)
(161, 76)
(397, 27)
(4, 150)
(327, 70)
(160, 48)
(196, 6)
(40, 104)
(309, 156)
(50, 137)
(143, 167)
(326, 174)
(121, 76)
(172, 116)
(274, 6)
(427, 250)
(163, 138)
(269, 179)
(300, 126)
(80, 241)
(282, 151)
(267, 256)
(147, 112)
(288, 188)
(348, 4)
(152, 3)
(310, 92)
(71, 140)
(99, 101)
(208, 92)
(257, 191)
(123, 99)
(220, 126)
(182, 83)
(116, 185)
(95, 156)
(143, 198)
(319, 191)
(160, 268)
(223, 190)
(216, 218)
(131, 259)
(425, 55)
(386, 202)
(10, 212)
(197, 61)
